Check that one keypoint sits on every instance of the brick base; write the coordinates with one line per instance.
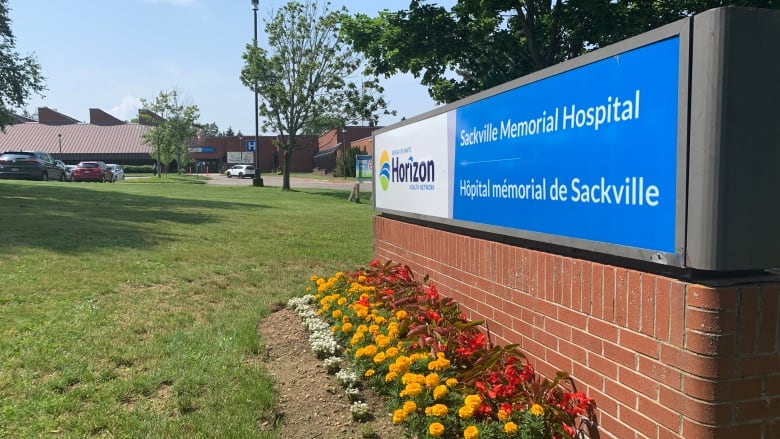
(664, 358)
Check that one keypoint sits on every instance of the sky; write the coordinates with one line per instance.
(110, 54)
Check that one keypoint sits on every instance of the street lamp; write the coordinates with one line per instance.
(59, 139)
(258, 180)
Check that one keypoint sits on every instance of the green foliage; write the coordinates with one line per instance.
(20, 76)
(480, 44)
(345, 164)
(177, 124)
(303, 80)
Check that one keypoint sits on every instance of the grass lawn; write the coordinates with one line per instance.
(131, 310)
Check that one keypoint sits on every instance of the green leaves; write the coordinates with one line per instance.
(175, 124)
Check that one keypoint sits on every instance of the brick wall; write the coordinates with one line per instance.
(664, 358)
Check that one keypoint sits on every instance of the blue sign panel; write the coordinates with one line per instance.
(590, 153)
(250, 145)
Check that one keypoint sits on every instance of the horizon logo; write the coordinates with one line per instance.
(408, 171)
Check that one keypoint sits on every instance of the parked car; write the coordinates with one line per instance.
(33, 165)
(67, 168)
(241, 171)
(117, 171)
(69, 172)
(92, 171)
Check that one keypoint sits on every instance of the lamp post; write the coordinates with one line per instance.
(258, 180)
(59, 139)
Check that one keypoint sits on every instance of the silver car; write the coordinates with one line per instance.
(118, 171)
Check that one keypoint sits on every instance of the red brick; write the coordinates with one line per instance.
(698, 430)
(677, 314)
(638, 382)
(608, 303)
(718, 299)
(639, 342)
(548, 340)
(665, 433)
(558, 328)
(604, 402)
(545, 307)
(533, 273)
(620, 355)
(606, 367)
(601, 329)
(663, 288)
(621, 296)
(642, 424)
(597, 290)
(572, 351)
(707, 367)
(586, 375)
(769, 326)
(634, 306)
(748, 321)
(624, 395)
(648, 304)
(546, 276)
(576, 284)
(668, 418)
(721, 322)
(773, 383)
(587, 341)
(661, 373)
(557, 278)
(710, 344)
(574, 318)
(587, 286)
(694, 409)
(557, 360)
(611, 428)
(757, 365)
(566, 282)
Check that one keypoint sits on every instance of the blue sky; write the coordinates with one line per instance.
(108, 54)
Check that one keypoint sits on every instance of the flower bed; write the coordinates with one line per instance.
(441, 375)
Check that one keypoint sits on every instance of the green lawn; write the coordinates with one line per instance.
(131, 310)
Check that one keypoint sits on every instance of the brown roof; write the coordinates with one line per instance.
(76, 138)
(52, 117)
(100, 117)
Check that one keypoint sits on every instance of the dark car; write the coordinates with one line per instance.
(32, 165)
(92, 171)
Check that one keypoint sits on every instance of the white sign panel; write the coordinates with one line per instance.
(413, 170)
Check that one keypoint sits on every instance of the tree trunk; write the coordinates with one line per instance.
(287, 160)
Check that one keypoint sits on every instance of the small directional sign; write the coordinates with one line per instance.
(250, 145)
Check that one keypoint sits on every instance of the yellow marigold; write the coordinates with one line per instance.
(411, 377)
(362, 328)
(325, 308)
(308, 289)
(466, 412)
(320, 281)
(411, 389)
(438, 410)
(398, 416)
(342, 301)
(400, 314)
(391, 352)
(356, 338)
(362, 278)
(338, 274)
(373, 329)
(510, 427)
(346, 327)
(345, 319)
(382, 341)
(379, 320)
(451, 382)
(313, 277)
(471, 432)
(369, 351)
(335, 328)
(537, 410)
(361, 313)
(502, 415)
(432, 380)
(436, 429)
(473, 401)
(390, 376)
(369, 372)
(337, 314)
(440, 392)
(380, 357)
(409, 407)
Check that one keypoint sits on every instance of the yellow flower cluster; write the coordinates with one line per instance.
(438, 410)
(471, 432)
(470, 405)
(440, 363)
(537, 410)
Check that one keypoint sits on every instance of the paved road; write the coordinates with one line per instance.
(272, 180)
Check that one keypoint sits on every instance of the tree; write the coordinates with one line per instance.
(20, 76)
(208, 130)
(305, 79)
(483, 43)
(174, 126)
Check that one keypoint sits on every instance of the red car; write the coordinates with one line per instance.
(92, 171)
